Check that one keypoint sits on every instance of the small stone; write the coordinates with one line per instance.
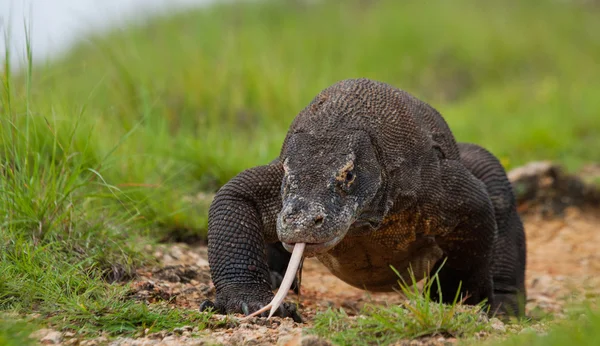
(497, 325)
(176, 252)
(313, 340)
(40, 333)
(149, 342)
(88, 343)
(289, 340)
(169, 341)
(201, 262)
(252, 340)
(71, 342)
(69, 334)
(527, 330)
(169, 260)
(52, 338)
(197, 343)
(284, 330)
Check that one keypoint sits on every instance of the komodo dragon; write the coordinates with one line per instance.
(370, 177)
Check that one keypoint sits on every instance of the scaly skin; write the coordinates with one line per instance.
(369, 176)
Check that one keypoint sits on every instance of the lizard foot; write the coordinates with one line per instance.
(246, 300)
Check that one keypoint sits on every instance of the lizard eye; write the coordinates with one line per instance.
(346, 176)
(347, 180)
(349, 177)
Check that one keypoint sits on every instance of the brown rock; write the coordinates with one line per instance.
(52, 338)
(290, 340)
(497, 325)
(313, 340)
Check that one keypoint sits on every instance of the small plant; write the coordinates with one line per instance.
(418, 316)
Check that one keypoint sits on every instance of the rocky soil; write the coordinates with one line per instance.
(562, 223)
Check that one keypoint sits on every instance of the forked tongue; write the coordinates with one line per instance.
(286, 283)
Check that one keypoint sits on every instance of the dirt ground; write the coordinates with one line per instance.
(563, 266)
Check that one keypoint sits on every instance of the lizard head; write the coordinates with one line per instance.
(330, 183)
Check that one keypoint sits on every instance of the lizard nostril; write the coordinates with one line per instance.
(318, 220)
(288, 217)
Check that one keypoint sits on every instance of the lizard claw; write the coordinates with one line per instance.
(291, 311)
(284, 310)
(247, 300)
(245, 309)
(207, 305)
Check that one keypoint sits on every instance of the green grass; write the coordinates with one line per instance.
(580, 328)
(67, 236)
(15, 333)
(583, 331)
(120, 142)
(418, 316)
(212, 92)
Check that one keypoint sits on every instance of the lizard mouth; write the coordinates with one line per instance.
(314, 249)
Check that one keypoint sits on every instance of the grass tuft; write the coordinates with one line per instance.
(417, 317)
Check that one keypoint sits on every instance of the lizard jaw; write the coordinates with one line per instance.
(314, 249)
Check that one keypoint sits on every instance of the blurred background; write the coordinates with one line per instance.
(56, 25)
(171, 99)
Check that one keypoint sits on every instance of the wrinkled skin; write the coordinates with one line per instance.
(370, 177)
(324, 194)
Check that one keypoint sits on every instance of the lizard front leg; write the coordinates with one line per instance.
(468, 248)
(241, 220)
